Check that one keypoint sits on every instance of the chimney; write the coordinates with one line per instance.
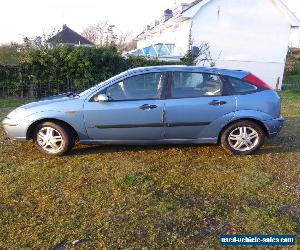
(185, 6)
(64, 26)
(168, 14)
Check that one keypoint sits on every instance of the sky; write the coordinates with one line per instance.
(20, 18)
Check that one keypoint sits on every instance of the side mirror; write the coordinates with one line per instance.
(101, 98)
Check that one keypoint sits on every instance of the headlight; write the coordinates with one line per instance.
(18, 112)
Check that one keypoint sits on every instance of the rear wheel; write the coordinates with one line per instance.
(53, 139)
(242, 138)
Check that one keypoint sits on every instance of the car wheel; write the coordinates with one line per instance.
(53, 138)
(242, 138)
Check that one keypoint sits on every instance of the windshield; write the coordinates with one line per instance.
(101, 84)
(90, 89)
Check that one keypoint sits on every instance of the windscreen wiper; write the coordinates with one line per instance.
(72, 94)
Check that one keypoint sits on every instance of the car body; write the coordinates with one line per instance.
(154, 105)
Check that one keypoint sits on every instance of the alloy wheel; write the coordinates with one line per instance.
(243, 139)
(50, 140)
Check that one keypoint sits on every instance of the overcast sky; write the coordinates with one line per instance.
(31, 18)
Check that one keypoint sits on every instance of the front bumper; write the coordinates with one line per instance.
(14, 129)
(274, 126)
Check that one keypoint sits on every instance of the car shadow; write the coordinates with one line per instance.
(97, 149)
(271, 147)
(287, 142)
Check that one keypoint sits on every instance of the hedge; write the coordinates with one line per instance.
(47, 71)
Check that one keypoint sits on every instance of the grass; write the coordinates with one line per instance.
(149, 197)
(290, 103)
(295, 77)
(11, 103)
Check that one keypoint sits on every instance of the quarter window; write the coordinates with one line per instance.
(239, 86)
(187, 84)
(145, 86)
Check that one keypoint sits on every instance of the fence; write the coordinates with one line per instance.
(291, 84)
(28, 90)
(19, 89)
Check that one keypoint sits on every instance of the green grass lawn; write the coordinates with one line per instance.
(11, 103)
(292, 77)
(149, 197)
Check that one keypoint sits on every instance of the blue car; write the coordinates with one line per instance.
(155, 105)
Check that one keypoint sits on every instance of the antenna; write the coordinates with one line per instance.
(175, 3)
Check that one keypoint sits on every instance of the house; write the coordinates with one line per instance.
(68, 36)
(250, 35)
(295, 36)
(295, 39)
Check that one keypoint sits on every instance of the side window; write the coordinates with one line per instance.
(240, 87)
(145, 86)
(187, 84)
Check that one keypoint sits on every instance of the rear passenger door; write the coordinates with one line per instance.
(196, 106)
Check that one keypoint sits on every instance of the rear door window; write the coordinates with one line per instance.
(189, 85)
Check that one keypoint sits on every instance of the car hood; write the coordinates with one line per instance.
(67, 94)
(63, 104)
(48, 102)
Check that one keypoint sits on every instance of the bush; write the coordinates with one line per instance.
(292, 66)
(46, 71)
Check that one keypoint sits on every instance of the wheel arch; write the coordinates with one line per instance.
(258, 122)
(32, 127)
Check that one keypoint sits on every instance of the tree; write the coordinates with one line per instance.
(104, 34)
(10, 54)
(125, 43)
(96, 33)
(198, 54)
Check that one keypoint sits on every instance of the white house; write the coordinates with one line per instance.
(250, 35)
(295, 39)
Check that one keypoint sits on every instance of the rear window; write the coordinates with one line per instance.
(240, 87)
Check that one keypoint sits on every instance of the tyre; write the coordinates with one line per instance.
(53, 138)
(242, 138)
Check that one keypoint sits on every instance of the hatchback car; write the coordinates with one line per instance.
(155, 105)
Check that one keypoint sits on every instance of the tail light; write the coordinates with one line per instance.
(257, 82)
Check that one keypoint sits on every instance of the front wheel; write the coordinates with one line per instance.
(242, 138)
(53, 139)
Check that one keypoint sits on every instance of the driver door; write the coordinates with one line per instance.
(133, 111)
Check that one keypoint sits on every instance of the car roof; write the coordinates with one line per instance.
(227, 72)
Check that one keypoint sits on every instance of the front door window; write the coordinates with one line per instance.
(140, 87)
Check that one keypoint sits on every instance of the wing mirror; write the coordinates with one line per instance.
(101, 98)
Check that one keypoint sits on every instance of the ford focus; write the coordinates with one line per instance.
(155, 105)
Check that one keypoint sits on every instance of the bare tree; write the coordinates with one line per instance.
(125, 42)
(129, 45)
(104, 34)
(203, 55)
(97, 33)
(199, 54)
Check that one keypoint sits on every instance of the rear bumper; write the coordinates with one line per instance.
(274, 126)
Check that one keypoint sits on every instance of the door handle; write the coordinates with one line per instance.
(147, 106)
(217, 103)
